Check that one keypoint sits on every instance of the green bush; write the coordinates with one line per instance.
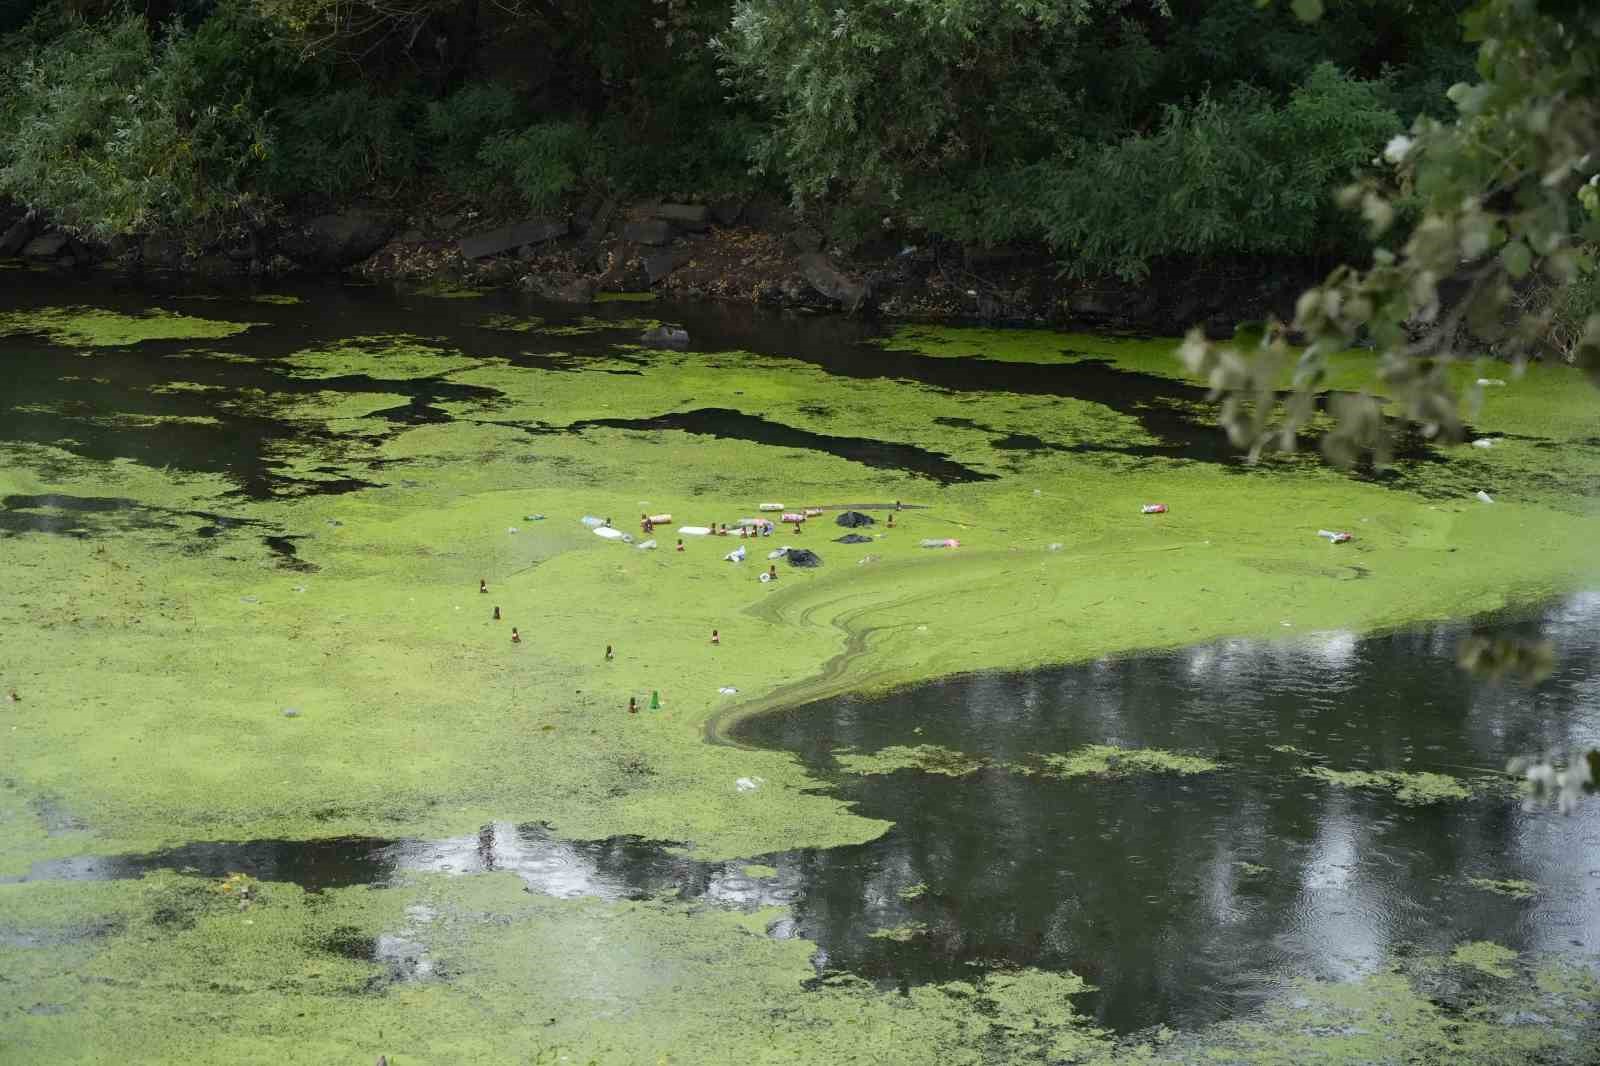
(541, 162)
(1239, 175)
(98, 131)
(339, 143)
(458, 126)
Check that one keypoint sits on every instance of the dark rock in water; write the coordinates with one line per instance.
(852, 538)
(332, 242)
(665, 337)
(692, 217)
(648, 231)
(47, 246)
(853, 520)
(827, 279)
(17, 235)
(506, 238)
(658, 265)
(803, 557)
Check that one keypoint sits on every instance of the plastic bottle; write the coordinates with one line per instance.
(592, 522)
(949, 542)
(1333, 536)
(735, 556)
(646, 545)
(1485, 497)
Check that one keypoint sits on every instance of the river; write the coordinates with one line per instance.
(1183, 893)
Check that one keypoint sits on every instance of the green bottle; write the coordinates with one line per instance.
(655, 699)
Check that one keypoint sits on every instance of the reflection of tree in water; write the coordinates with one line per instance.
(1181, 898)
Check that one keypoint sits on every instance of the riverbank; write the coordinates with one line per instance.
(746, 251)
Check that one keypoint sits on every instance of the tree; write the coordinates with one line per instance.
(869, 95)
(1475, 214)
(1472, 214)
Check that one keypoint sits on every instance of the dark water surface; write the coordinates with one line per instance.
(1150, 886)
(1182, 899)
(57, 394)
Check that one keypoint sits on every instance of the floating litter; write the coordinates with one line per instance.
(778, 553)
(728, 690)
(947, 542)
(694, 531)
(511, 529)
(1055, 546)
(591, 521)
(646, 545)
(765, 578)
(735, 556)
(770, 507)
(291, 712)
(747, 784)
(608, 533)
(1153, 508)
(1484, 496)
(1483, 442)
(249, 599)
(1490, 381)
(299, 588)
(1334, 536)
(533, 518)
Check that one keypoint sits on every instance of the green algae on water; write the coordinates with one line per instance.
(275, 299)
(441, 968)
(589, 324)
(511, 323)
(759, 870)
(392, 357)
(928, 758)
(1407, 786)
(94, 327)
(903, 933)
(1515, 889)
(625, 297)
(448, 291)
(1109, 760)
(1485, 956)
(911, 892)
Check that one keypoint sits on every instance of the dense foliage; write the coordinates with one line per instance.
(1500, 251)
(1119, 132)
